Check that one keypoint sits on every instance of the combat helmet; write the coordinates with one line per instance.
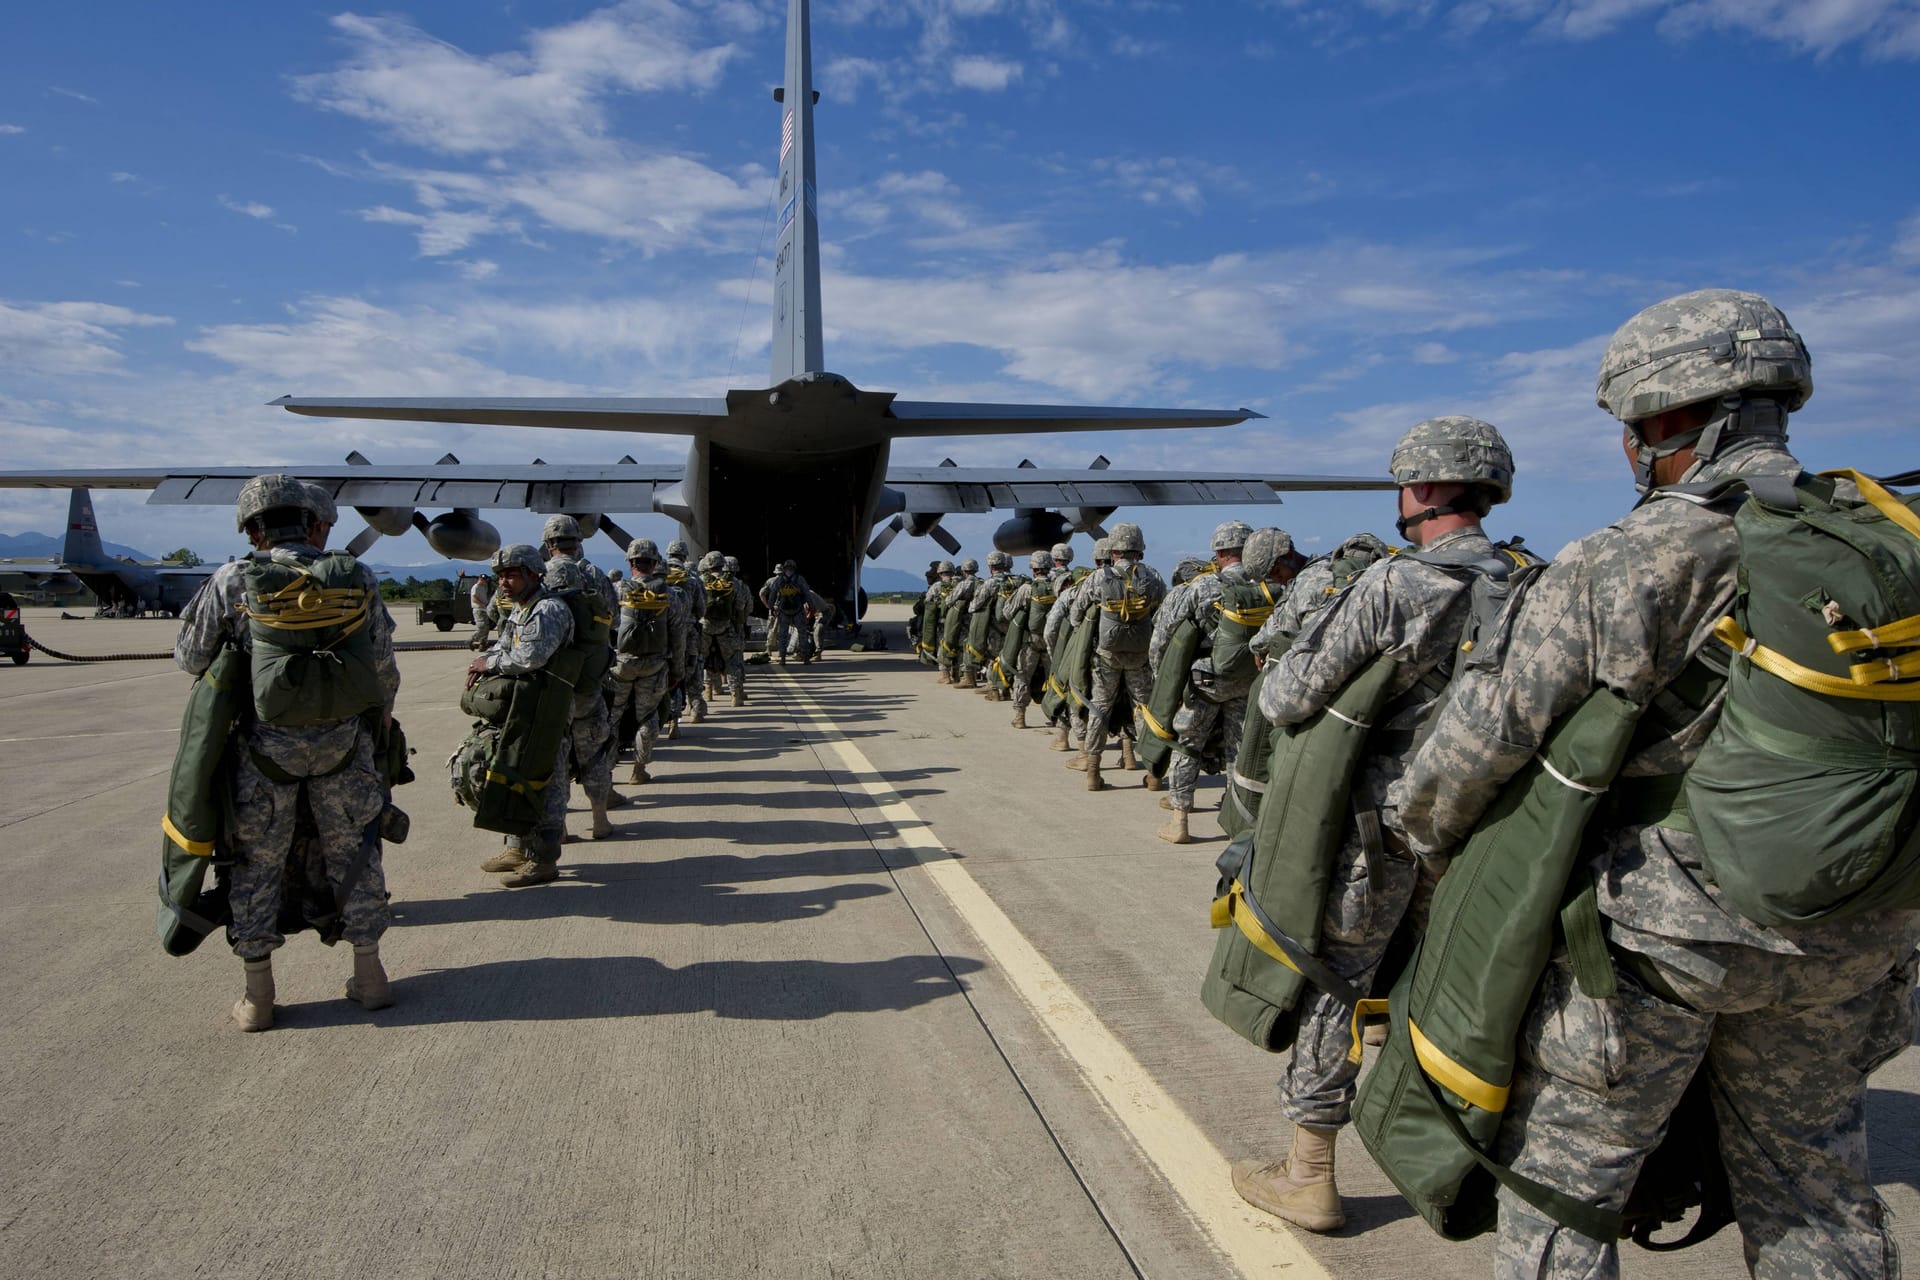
(999, 560)
(558, 528)
(564, 574)
(1263, 549)
(643, 549)
(789, 566)
(1230, 535)
(270, 492)
(944, 568)
(1040, 561)
(733, 564)
(1063, 552)
(1126, 537)
(1710, 345)
(969, 565)
(1189, 568)
(519, 555)
(324, 511)
(1455, 450)
(678, 549)
(1102, 550)
(712, 562)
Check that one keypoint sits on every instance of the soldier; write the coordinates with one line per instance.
(1452, 471)
(785, 597)
(724, 626)
(1789, 1021)
(1072, 722)
(1126, 592)
(649, 648)
(592, 748)
(983, 620)
(953, 626)
(743, 630)
(932, 605)
(1034, 598)
(686, 578)
(291, 759)
(537, 625)
(480, 595)
(1214, 706)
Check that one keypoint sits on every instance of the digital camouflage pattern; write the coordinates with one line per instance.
(1213, 708)
(642, 682)
(1036, 595)
(1701, 346)
(530, 634)
(1789, 1020)
(1454, 449)
(1414, 613)
(1120, 671)
(786, 596)
(267, 493)
(344, 794)
(990, 596)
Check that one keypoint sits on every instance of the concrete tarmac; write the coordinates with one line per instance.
(864, 984)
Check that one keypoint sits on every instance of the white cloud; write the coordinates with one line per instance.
(1164, 180)
(478, 269)
(989, 75)
(1906, 246)
(12, 128)
(60, 338)
(252, 208)
(1433, 353)
(75, 94)
(1882, 28)
(123, 176)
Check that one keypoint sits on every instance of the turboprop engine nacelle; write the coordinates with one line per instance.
(389, 522)
(462, 535)
(589, 522)
(1030, 531)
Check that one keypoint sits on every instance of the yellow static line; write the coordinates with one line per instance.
(1256, 1244)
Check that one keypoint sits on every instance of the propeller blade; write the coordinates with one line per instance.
(1096, 530)
(362, 540)
(621, 537)
(884, 539)
(949, 543)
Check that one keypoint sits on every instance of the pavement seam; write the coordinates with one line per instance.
(1196, 1170)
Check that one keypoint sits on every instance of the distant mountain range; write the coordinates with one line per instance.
(47, 546)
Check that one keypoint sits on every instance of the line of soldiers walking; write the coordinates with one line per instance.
(1694, 731)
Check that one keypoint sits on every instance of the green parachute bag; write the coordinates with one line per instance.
(1247, 781)
(1070, 683)
(1804, 795)
(953, 625)
(1160, 742)
(1429, 1109)
(1244, 608)
(199, 809)
(1274, 876)
(313, 659)
(979, 628)
(1007, 662)
(519, 766)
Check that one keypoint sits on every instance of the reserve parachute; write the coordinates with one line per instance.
(313, 657)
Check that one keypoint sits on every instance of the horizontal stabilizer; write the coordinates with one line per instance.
(688, 416)
(941, 418)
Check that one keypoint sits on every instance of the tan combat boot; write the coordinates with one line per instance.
(602, 827)
(1175, 832)
(739, 697)
(1300, 1188)
(1020, 717)
(1152, 783)
(943, 677)
(1059, 742)
(254, 1010)
(1166, 802)
(699, 714)
(617, 801)
(640, 774)
(1126, 754)
(505, 860)
(368, 987)
(1094, 782)
(531, 873)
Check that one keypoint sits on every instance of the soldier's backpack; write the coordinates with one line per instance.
(1242, 609)
(1126, 622)
(719, 615)
(1804, 795)
(313, 659)
(647, 635)
(1158, 745)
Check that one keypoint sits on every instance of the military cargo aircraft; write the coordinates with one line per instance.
(797, 469)
(125, 588)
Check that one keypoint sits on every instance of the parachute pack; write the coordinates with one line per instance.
(719, 615)
(312, 654)
(647, 635)
(1126, 624)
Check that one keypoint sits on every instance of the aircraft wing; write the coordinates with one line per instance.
(950, 490)
(618, 486)
(688, 416)
(938, 418)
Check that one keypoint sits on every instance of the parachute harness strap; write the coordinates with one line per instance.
(304, 605)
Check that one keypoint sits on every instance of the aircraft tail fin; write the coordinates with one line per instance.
(83, 545)
(797, 324)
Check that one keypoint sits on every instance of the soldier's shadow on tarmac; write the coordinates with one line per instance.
(569, 988)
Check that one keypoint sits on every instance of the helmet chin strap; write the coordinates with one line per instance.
(1406, 523)
(1739, 420)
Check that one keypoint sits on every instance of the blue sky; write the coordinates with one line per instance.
(1348, 216)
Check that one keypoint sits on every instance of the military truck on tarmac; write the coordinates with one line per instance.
(444, 614)
(13, 631)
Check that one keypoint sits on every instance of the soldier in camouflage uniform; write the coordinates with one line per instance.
(1314, 587)
(329, 764)
(988, 597)
(940, 582)
(1071, 729)
(1213, 706)
(693, 692)
(721, 628)
(743, 632)
(590, 756)
(1789, 1021)
(642, 681)
(1126, 593)
(786, 597)
(1452, 471)
(959, 600)
(1033, 598)
(538, 625)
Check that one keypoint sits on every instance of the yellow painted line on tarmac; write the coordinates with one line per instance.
(104, 733)
(1254, 1242)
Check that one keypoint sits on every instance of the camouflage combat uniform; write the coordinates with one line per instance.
(988, 598)
(724, 638)
(960, 599)
(692, 691)
(1059, 627)
(344, 792)
(1212, 706)
(786, 596)
(1415, 613)
(1120, 649)
(1036, 597)
(1790, 1021)
(530, 634)
(642, 683)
